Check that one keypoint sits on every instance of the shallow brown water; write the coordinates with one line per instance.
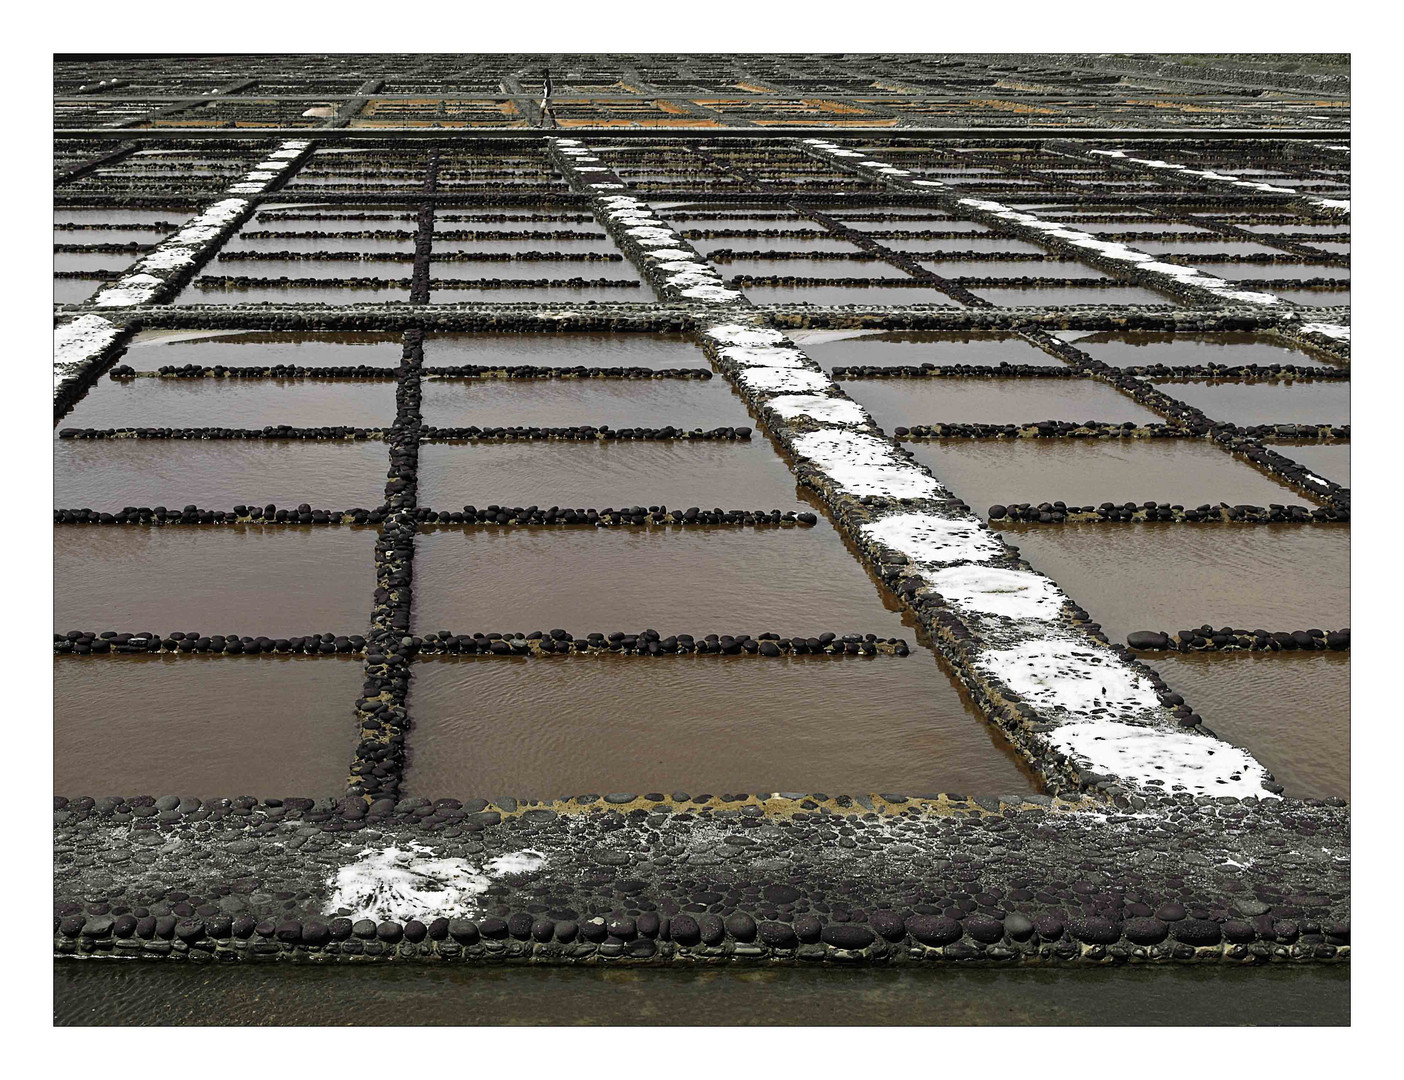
(696, 580)
(1308, 297)
(74, 290)
(207, 726)
(1172, 577)
(956, 268)
(1133, 349)
(564, 403)
(1095, 471)
(292, 295)
(835, 295)
(1014, 296)
(1291, 710)
(243, 403)
(773, 243)
(1328, 460)
(1266, 403)
(87, 993)
(563, 350)
(569, 725)
(153, 349)
(901, 402)
(918, 347)
(108, 474)
(732, 475)
(241, 579)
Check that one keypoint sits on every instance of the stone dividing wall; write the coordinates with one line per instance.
(626, 878)
(1015, 641)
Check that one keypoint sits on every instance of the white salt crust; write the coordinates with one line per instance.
(864, 465)
(825, 410)
(993, 590)
(929, 541)
(415, 882)
(78, 341)
(764, 380)
(1330, 330)
(1171, 759)
(1060, 675)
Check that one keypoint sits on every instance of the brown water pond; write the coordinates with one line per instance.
(1132, 349)
(1173, 577)
(695, 580)
(834, 348)
(1089, 472)
(664, 350)
(243, 403)
(566, 402)
(899, 402)
(568, 725)
(276, 580)
(732, 475)
(153, 349)
(108, 474)
(1266, 403)
(1328, 460)
(207, 726)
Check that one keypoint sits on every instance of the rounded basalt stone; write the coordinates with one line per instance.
(98, 926)
(438, 929)
(124, 926)
(1170, 912)
(984, 929)
(712, 930)
(146, 927)
(641, 948)
(1095, 930)
(888, 924)
(1198, 932)
(933, 929)
(595, 929)
(389, 931)
(741, 926)
(71, 925)
(189, 930)
(290, 931)
(808, 929)
(780, 894)
(519, 925)
(778, 935)
(315, 934)
(1049, 927)
(1238, 932)
(415, 931)
(1146, 931)
(847, 936)
(543, 930)
(1018, 926)
(1147, 639)
(567, 930)
(648, 924)
(365, 928)
(684, 930)
(340, 929)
